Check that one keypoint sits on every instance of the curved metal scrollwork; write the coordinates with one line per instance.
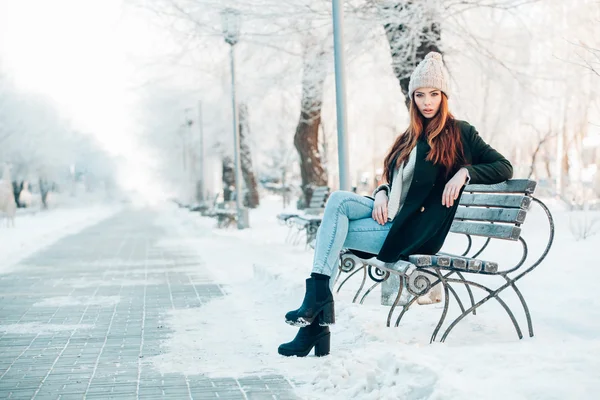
(521, 261)
(548, 245)
(485, 245)
(377, 275)
(419, 282)
(312, 229)
(468, 246)
(347, 264)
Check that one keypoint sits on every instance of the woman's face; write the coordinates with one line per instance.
(428, 101)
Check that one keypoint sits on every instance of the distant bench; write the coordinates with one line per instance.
(309, 220)
(494, 212)
(225, 213)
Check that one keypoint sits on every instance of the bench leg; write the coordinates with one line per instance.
(373, 286)
(468, 291)
(525, 308)
(492, 294)
(445, 312)
(397, 301)
(362, 284)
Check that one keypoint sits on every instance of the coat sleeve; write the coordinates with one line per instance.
(488, 166)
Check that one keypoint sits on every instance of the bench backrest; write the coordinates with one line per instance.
(494, 211)
(319, 197)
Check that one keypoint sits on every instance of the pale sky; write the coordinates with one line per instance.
(75, 51)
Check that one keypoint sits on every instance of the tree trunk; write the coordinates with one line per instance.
(17, 189)
(251, 198)
(228, 178)
(534, 156)
(44, 189)
(306, 139)
(407, 54)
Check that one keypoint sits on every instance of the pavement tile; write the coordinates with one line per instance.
(74, 349)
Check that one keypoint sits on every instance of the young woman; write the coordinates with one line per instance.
(427, 169)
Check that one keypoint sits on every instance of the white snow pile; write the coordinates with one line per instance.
(263, 278)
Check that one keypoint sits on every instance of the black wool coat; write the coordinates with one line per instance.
(423, 222)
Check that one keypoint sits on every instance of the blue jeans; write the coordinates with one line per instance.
(347, 223)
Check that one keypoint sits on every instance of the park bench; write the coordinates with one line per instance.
(491, 212)
(309, 220)
(205, 207)
(225, 213)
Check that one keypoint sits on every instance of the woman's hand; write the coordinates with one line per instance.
(380, 208)
(453, 187)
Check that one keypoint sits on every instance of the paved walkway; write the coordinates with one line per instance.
(78, 318)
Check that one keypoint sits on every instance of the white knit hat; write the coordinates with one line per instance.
(430, 73)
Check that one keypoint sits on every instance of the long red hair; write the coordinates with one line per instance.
(442, 134)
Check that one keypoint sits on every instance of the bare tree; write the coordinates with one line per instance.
(542, 138)
(228, 176)
(252, 198)
(410, 37)
(306, 139)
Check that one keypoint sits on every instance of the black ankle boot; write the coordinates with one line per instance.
(308, 337)
(318, 303)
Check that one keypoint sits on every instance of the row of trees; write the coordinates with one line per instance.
(41, 147)
(524, 74)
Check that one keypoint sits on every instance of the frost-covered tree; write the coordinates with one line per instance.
(514, 71)
(41, 144)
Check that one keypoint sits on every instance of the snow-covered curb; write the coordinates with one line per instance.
(33, 232)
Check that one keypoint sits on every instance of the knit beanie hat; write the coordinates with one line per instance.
(430, 73)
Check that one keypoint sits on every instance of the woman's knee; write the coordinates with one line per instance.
(338, 197)
(343, 201)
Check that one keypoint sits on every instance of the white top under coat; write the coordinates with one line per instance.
(399, 189)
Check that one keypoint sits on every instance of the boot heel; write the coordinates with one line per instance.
(327, 315)
(323, 346)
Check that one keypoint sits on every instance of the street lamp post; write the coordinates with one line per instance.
(340, 93)
(190, 154)
(201, 183)
(231, 32)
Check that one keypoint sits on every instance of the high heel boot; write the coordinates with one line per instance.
(317, 304)
(308, 337)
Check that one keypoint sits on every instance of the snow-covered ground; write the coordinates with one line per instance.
(264, 277)
(482, 358)
(36, 230)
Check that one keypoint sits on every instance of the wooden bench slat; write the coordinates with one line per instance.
(443, 260)
(513, 215)
(318, 199)
(525, 186)
(320, 192)
(495, 200)
(316, 203)
(508, 232)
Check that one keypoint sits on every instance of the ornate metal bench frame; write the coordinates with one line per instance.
(421, 272)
